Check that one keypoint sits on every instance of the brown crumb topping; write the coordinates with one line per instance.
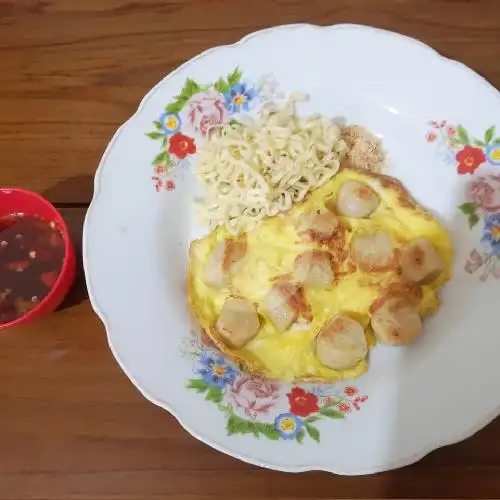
(364, 150)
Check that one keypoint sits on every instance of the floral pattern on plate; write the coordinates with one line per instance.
(457, 147)
(260, 407)
(187, 118)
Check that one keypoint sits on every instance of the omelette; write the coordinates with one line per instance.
(305, 294)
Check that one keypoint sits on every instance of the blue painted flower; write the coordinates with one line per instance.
(323, 391)
(491, 236)
(288, 425)
(493, 154)
(215, 371)
(447, 156)
(239, 97)
(170, 123)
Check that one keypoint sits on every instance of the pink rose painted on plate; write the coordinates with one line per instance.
(191, 114)
(484, 192)
(205, 110)
(456, 146)
(253, 395)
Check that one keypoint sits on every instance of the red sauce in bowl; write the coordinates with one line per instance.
(31, 258)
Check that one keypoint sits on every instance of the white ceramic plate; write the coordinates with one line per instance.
(437, 120)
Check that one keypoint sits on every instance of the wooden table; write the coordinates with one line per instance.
(71, 425)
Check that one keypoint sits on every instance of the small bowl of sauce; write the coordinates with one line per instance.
(37, 258)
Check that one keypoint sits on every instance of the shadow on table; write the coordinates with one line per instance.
(78, 292)
(74, 191)
(78, 193)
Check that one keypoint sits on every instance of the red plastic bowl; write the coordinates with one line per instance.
(16, 201)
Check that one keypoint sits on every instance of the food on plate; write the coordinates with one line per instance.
(373, 250)
(314, 268)
(255, 168)
(309, 291)
(223, 261)
(341, 343)
(395, 321)
(420, 261)
(354, 199)
(238, 321)
(31, 258)
(318, 225)
(284, 303)
(364, 150)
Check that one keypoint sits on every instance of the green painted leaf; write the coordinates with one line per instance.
(214, 394)
(327, 412)
(313, 432)
(489, 134)
(234, 77)
(481, 144)
(255, 431)
(227, 409)
(237, 425)
(473, 220)
(190, 85)
(157, 125)
(221, 86)
(300, 436)
(310, 420)
(269, 431)
(463, 135)
(161, 158)
(181, 101)
(164, 142)
(333, 403)
(468, 208)
(198, 384)
(174, 107)
(189, 90)
(496, 141)
(155, 135)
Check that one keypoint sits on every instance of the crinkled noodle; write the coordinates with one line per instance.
(255, 168)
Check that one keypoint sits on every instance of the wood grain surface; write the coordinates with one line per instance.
(72, 427)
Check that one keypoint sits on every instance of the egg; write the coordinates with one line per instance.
(301, 270)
